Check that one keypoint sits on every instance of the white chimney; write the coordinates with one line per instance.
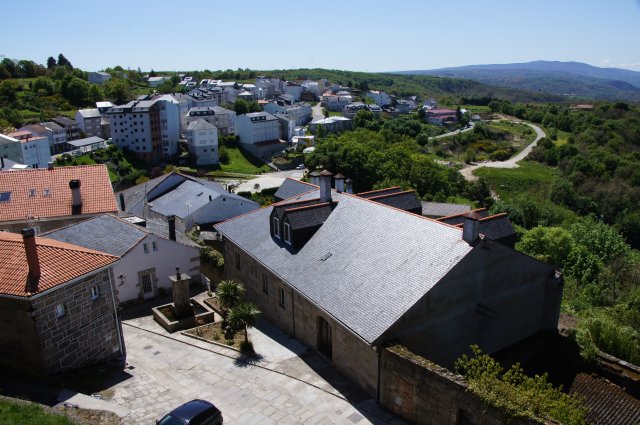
(325, 186)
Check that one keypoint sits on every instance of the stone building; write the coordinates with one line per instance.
(57, 309)
(345, 275)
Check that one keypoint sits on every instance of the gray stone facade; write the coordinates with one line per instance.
(46, 341)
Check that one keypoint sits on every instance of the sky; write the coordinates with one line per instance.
(355, 35)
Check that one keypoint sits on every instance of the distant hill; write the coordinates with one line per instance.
(424, 86)
(563, 78)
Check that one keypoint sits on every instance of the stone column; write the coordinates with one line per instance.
(181, 300)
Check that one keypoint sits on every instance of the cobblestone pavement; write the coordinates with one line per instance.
(289, 384)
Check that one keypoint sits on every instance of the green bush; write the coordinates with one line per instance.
(600, 332)
(517, 394)
(212, 256)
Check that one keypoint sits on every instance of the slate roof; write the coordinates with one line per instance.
(439, 209)
(65, 121)
(134, 196)
(200, 124)
(372, 193)
(459, 218)
(342, 268)
(406, 200)
(291, 187)
(309, 215)
(494, 227)
(59, 263)
(86, 141)
(89, 113)
(52, 196)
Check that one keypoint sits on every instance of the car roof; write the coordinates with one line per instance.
(191, 409)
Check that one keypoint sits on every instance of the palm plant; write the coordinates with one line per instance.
(244, 315)
(229, 294)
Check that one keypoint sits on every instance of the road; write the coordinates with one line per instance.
(316, 112)
(512, 162)
(453, 133)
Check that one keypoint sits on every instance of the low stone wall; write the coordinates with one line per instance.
(425, 393)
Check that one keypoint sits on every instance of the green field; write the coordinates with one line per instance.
(511, 181)
(243, 162)
(27, 414)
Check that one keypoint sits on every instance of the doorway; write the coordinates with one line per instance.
(147, 279)
(324, 337)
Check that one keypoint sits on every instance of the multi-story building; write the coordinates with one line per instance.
(330, 125)
(99, 77)
(169, 124)
(259, 133)
(70, 126)
(25, 148)
(136, 127)
(57, 136)
(202, 141)
(221, 118)
(334, 102)
(89, 122)
(293, 89)
(380, 98)
(299, 113)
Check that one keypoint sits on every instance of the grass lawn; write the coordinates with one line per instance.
(242, 162)
(27, 414)
(530, 175)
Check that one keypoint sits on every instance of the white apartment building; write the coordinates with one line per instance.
(24, 148)
(259, 133)
(202, 141)
(221, 118)
(380, 98)
(300, 113)
(136, 126)
(98, 77)
(169, 124)
(89, 121)
(293, 89)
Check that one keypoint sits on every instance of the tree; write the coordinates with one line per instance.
(244, 315)
(362, 118)
(62, 61)
(117, 90)
(9, 91)
(229, 294)
(549, 244)
(43, 86)
(51, 62)
(241, 107)
(75, 90)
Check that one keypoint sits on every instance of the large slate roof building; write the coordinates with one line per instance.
(346, 274)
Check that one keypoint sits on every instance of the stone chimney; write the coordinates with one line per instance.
(471, 228)
(172, 227)
(339, 182)
(349, 183)
(76, 197)
(325, 186)
(49, 165)
(122, 203)
(31, 250)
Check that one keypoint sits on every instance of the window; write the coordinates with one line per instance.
(46, 192)
(32, 192)
(238, 260)
(281, 298)
(5, 196)
(60, 310)
(287, 233)
(276, 227)
(146, 248)
(94, 293)
(265, 283)
(154, 245)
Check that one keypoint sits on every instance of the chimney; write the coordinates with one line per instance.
(339, 182)
(172, 227)
(325, 186)
(1, 162)
(76, 197)
(349, 183)
(49, 165)
(471, 228)
(122, 204)
(29, 237)
(315, 177)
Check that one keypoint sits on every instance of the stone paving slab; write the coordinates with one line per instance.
(168, 370)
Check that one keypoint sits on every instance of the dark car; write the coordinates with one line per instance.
(194, 412)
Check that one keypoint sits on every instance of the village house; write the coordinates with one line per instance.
(148, 256)
(440, 116)
(25, 148)
(345, 275)
(191, 200)
(89, 122)
(259, 133)
(331, 125)
(98, 77)
(57, 305)
(380, 98)
(221, 118)
(70, 127)
(202, 142)
(48, 198)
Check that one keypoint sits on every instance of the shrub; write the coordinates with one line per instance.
(247, 347)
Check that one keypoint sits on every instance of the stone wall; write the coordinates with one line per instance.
(18, 339)
(427, 394)
(88, 331)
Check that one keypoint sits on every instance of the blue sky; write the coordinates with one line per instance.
(347, 34)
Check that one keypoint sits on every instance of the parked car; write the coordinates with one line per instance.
(194, 412)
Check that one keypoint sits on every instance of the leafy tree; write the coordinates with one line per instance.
(59, 73)
(362, 118)
(229, 294)
(549, 244)
(43, 85)
(29, 69)
(244, 315)
(117, 90)
(51, 62)
(75, 90)
(63, 61)
(96, 93)
(9, 91)
(11, 68)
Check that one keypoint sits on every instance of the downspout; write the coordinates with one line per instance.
(379, 350)
(293, 312)
(123, 352)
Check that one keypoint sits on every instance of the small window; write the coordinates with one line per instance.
(94, 293)
(32, 192)
(281, 298)
(46, 192)
(287, 233)
(276, 227)
(238, 260)
(154, 245)
(146, 248)
(5, 196)
(60, 310)
(265, 283)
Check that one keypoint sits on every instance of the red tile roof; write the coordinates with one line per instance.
(60, 262)
(52, 194)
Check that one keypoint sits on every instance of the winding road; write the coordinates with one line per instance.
(512, 162)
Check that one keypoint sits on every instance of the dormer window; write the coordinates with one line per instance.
(287, 233)
(276, 227)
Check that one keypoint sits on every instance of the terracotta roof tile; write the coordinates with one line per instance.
(52, 197)
(60, 262)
